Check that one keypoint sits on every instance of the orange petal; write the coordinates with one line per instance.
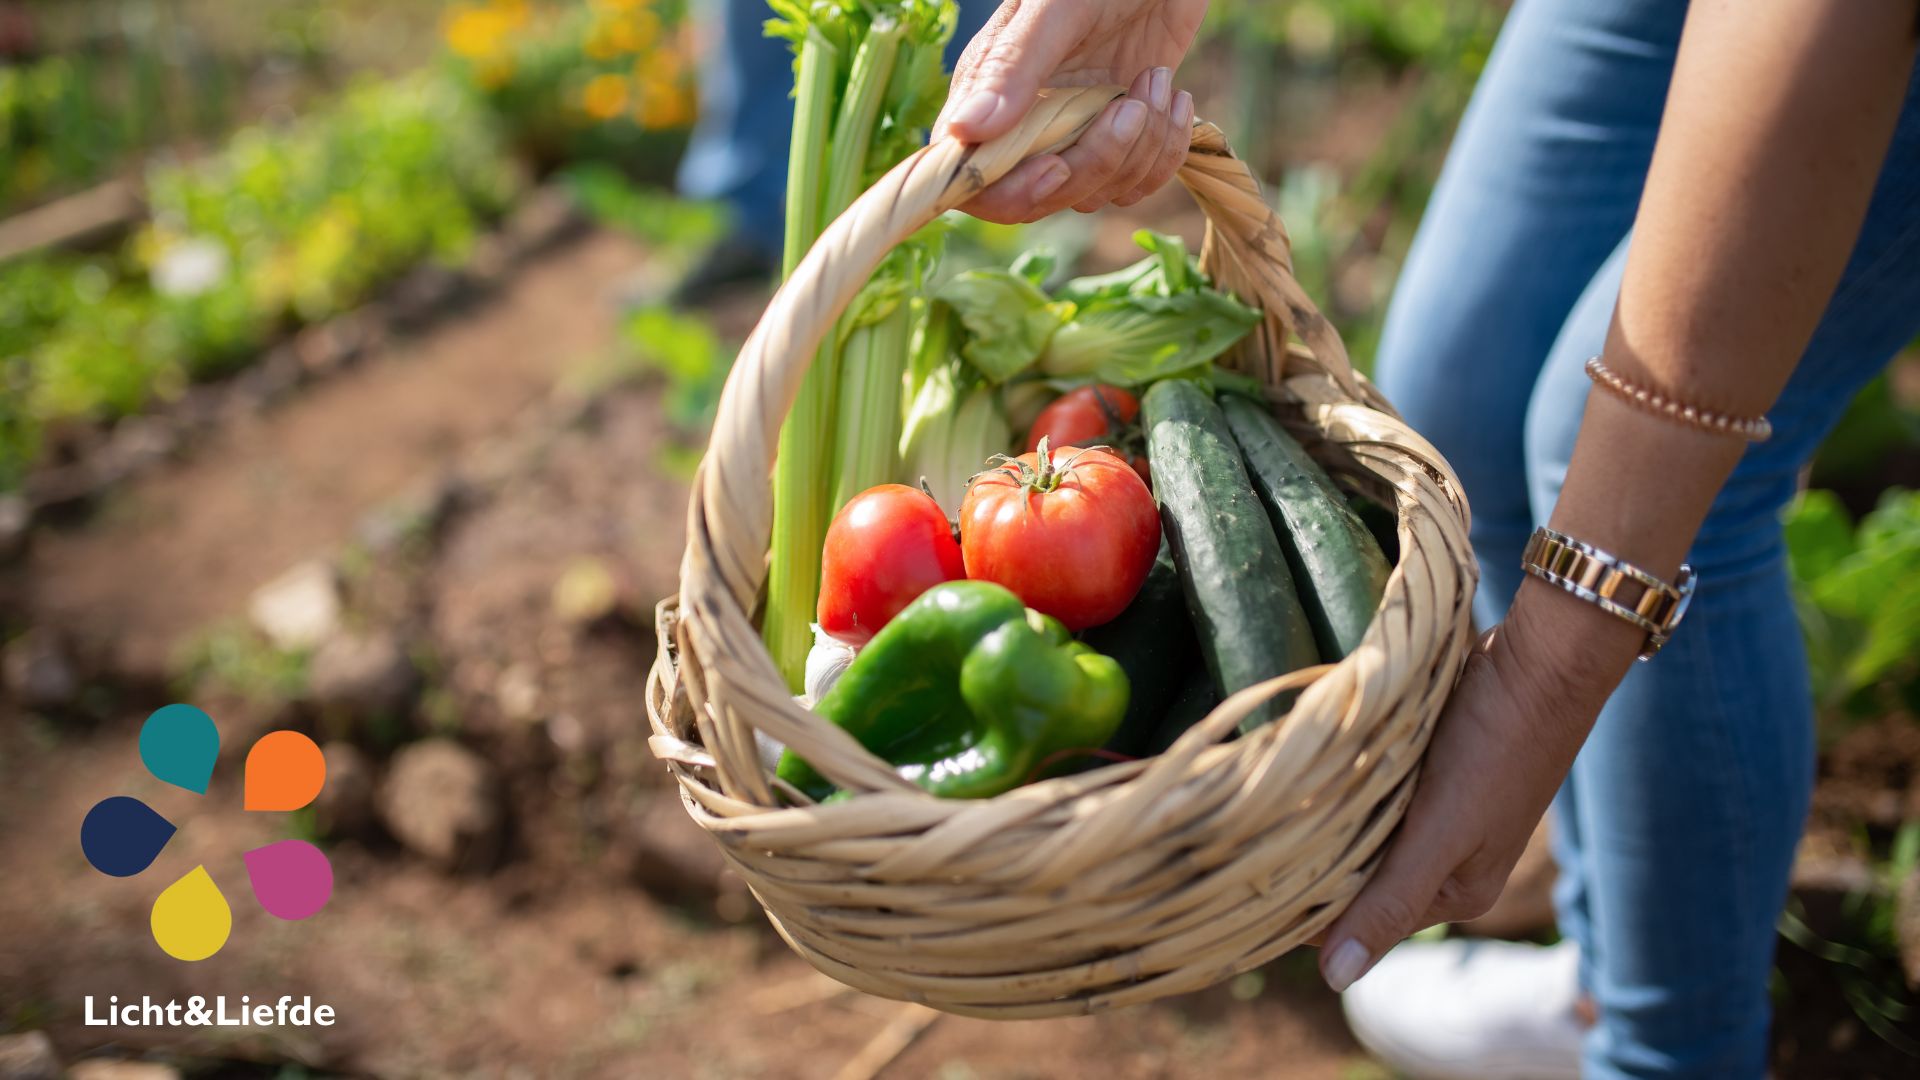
(285, 771)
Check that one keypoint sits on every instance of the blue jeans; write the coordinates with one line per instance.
(1675, 832)
(738, 153)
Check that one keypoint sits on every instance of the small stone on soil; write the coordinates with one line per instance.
(300, 608)
(344, 806)
(39, 671)
(442, 801)
(99, 1069)
(367, 674)
(28, 1056)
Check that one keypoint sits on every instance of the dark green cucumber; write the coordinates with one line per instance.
(1190, 706)
(1336, 563)
(1238, 588)
(1381, 523)
(1154, 643)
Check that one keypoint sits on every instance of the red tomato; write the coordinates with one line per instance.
(885, 547)
(1072, 532)
(1096, 415)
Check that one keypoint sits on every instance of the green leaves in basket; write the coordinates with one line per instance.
(1153, 320)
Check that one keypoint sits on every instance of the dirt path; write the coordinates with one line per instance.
(188, 542)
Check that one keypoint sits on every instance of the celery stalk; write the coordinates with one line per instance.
(867, 81)
(867, 445)
(800, 512)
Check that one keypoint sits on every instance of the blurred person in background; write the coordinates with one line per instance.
(1718, 204)
(738, 153)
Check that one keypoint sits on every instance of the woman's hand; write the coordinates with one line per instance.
(1131, 149)
(1510, 732)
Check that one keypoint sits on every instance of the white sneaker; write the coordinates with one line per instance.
(1468, 1009)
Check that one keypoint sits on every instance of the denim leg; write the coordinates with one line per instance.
(1542, 182)
(1689, 797)
(738, 152)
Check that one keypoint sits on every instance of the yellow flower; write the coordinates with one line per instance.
(599, 44)
(477, 33)
(619, 5)
(605, 97)
(634, 33)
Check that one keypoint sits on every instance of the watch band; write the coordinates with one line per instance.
(1614, 585)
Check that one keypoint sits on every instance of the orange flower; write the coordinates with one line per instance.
(605, 97)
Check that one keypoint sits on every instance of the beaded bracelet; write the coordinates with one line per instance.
(1750, 428)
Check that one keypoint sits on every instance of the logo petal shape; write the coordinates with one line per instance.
(285, 771)
(191, 920)
(179, 745)
(121, 836)
(292, 879)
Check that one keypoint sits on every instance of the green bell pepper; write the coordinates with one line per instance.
(969, 692)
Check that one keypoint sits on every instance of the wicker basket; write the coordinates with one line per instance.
(1111, 887)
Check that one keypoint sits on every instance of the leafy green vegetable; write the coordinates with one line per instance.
(1136, 339)
(1007, 318)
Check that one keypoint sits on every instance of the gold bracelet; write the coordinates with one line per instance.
(1611, 583)
(1750, 428)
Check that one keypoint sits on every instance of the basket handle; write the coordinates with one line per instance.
(730, 517)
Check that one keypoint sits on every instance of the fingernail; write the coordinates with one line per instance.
(1051, 180)
(1346, 963)
(1160, 90)
(1183, 109)
(975, 110)
(1129, 119)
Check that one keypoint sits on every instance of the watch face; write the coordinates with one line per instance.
(1683, 585)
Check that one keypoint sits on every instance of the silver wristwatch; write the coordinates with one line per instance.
(1616, 586)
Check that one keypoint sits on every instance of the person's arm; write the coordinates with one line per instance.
(1777, 124)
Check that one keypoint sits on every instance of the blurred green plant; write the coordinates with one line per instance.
(688, 355)
(1858, 594)
(282, 226)
(604, 80)
(662, 220)
(313, 215)
(229, 657)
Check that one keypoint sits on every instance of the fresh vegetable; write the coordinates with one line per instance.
(1008, 320)
(1071, 532)
(1155, 319)
(1337, 565)
(1239, 590)
(885, 548)
(969, 692)
(826, 662)
(1192, 701)
(1094, 415)
(1154, 643)
(1379, 521)
(953, 429)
